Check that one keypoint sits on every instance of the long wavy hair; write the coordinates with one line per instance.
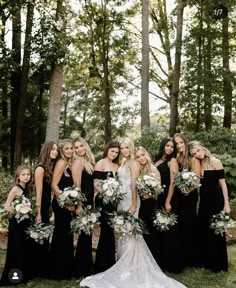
(61, 155)
(19, 169)
(46, 161)
(197, 144)
(109, 145)
(129, 142)
(183, 158)
(161, 150)
(147, 167)
(88, 159)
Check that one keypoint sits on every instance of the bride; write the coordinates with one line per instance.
(135, 266)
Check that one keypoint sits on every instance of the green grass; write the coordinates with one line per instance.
(192, 278)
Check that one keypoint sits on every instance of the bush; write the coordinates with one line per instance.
(6, 182)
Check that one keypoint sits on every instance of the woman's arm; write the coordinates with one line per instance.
(76, 169)
(218, 166)
(56, 177)
(173, 165)
(135, 172)
(10, 198)
(38, 180)
(98, 167)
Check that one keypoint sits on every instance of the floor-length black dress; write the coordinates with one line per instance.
(83, 261)
(170, 258)
(151, 235)
(17, 255)
(213, 250)
(105, 254)
(61, 250)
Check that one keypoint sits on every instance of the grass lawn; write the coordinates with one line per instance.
(192, 278)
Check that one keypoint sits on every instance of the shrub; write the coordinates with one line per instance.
(6, 181)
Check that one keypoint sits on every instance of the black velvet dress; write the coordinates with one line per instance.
(170, 258)
(105, 254)
(83, 261)
(18, 254)
(213, 250)
(62, 250)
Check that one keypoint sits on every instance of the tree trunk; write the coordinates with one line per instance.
(54, 109)
(145, 117)
(227, 86)
(199, 72)
(15, 79)
(23, 86)
(207, 77)
(177, 68)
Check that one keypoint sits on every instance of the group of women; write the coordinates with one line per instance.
(126, 262)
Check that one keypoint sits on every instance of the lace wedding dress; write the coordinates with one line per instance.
(136, 266)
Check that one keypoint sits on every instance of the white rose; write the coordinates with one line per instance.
(93, 218)
(18, 207)
(24, 210)
(185, 175)
(105, 186)
(129, 226)
(74, 193)
(220, 224)
(33, 235)
(120, 220)
(162, 219)
(84, 221)
(109, 192)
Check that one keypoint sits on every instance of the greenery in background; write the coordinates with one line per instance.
(6, 182)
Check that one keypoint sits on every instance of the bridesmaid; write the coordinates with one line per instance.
(213, 199)
(188, 205)
(62, 251)
(148, 204)
(106, 167)
(170, 241)
(17, 255)
(82, 174)
(42, 180)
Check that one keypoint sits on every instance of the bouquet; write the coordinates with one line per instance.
(109, 190)
(22, 208)
(125, 224)
(164, 220)
(70, 196)
(40, 232)
(85, 221)
(148, 185)
(221, 223)
(186, 180)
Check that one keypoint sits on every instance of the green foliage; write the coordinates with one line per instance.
(6, 181)
(150, 140)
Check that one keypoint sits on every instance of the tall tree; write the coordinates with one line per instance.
(145, 117)
(23, 86)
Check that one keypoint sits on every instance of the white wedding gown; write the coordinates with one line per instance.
(136, 267)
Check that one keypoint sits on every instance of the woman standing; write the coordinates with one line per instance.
(42, 180)
(82, 174)
(170, 242)
(106, 167)
(148, 203)
(62, 251)
(188, 205)
(17, 256)
(213, 199)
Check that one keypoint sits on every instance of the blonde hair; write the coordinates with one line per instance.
(197, 144)
(131, 146)
(88, 159)
(148, 165)
(19, 169)
(61, 144)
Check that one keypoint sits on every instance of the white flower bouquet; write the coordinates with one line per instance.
(125, 224)
(40, 232)
(22, 208)
(109, 190)
(164, 220)
(148, 185)
(71, 196)
(85, 221)
(186, 180)
(221, 223)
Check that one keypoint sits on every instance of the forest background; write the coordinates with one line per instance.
(109, 68)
